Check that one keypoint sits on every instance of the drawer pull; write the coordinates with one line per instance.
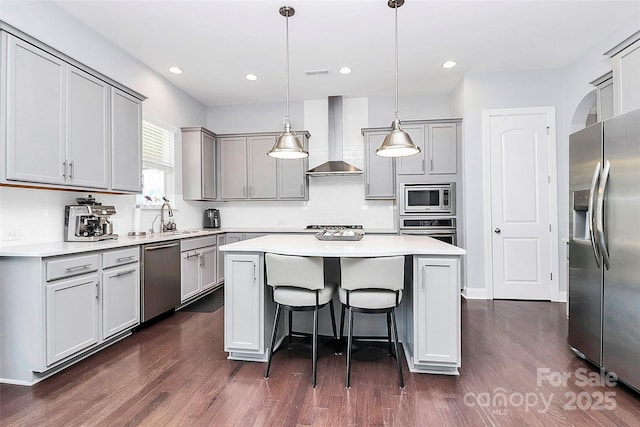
(124, 273)
(79, 267)
(125, 258)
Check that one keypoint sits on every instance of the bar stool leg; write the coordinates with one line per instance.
(341, 330)
(389, 332)
(395, 336)
(315, 346)
(273, 340)
(333, 325)
(350, 342)
(290, 329)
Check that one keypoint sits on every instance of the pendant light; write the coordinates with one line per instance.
(397, 143)
(287, 145)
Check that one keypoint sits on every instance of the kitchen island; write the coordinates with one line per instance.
(428, 316)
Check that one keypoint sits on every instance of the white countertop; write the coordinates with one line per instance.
(308, 245)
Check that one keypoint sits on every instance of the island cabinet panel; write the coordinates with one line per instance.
(244, 303)
(436, 308)
(72, 316)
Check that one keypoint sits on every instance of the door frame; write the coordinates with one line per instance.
(487, 114)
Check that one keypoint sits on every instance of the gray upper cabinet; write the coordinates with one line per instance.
(414, 165)
(233, 168)
(379, 172)
(247, 173)
(67, 125)
(35, 99)
(126, 142)
(262, 168)
(87, 130)
(198, 164)
(442, 148)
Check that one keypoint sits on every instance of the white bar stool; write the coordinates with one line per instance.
(298, 285)
(372, 286)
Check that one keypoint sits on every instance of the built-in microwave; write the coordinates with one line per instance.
(428, 199)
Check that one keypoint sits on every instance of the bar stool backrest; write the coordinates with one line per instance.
(372, 273)
(294, 271)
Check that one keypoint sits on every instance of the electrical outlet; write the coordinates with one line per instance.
(10, 236)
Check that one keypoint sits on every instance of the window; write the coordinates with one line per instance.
(157, 163)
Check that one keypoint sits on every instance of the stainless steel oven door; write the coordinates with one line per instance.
(444, 235)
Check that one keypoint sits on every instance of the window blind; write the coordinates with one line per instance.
(157, 145)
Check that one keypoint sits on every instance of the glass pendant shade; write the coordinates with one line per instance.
(288, 146)
(397, 143)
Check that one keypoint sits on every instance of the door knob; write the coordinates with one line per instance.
(497, 230)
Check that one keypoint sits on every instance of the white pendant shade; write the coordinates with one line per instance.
(397, 143)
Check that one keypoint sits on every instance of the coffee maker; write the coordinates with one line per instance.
(211, 218)
(88, 221)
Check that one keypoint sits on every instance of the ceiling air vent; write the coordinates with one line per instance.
(316, 72)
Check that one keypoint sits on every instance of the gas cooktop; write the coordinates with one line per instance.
(321, 227)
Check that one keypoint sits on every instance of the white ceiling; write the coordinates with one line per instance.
(218, 42)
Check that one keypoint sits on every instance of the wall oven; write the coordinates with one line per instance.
(443, 229)
(432, 199)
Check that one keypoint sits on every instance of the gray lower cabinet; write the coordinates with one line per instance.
(379, 172)
(198, 267)
(198, 164)
(247, 173)
(63, 308)
(126, 142)
(65, 127)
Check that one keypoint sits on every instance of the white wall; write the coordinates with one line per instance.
(38, 215)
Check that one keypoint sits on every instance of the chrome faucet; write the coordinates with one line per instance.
(163, 226)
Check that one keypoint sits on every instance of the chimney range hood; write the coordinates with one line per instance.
(335, 165)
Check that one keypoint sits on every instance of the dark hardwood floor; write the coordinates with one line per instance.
(175, 372)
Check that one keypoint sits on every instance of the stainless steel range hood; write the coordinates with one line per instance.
(335, 165)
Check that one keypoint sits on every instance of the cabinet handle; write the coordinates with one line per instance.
(423, 276)
(201, 258)
(64, 169)
(97, 290)
(244, 191)
(255, 272)
(155, 248)
(124, 258)
(431, 165)
(422, 164)
(79, 267)
(71, 169)
(124, 273)
(367, 188)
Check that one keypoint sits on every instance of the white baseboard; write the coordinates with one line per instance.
(475, 293)
(560, 297)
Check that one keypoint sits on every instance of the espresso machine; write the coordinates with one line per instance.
(88, 221)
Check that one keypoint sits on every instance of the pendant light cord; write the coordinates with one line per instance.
(286, 117)
(396, 12)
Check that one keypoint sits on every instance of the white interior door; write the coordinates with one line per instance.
(520, 211)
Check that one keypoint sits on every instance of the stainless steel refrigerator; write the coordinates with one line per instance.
(604, 245)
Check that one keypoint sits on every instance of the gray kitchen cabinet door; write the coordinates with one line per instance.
(126, 142)
(120, 299)
(35, 114)
(442, 149)
(262, 168)
(379, 172)
(87, 130)
(208, 167)
(233, 168)
(414, 165)
(292, 178)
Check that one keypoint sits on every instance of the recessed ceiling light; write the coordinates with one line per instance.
(345, 70)
(175, 70)
(449, 64)
(251, 77)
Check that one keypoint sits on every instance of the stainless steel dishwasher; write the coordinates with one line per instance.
(160, 279)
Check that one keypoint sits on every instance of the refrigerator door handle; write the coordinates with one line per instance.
(590, 213)
(600, 215)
